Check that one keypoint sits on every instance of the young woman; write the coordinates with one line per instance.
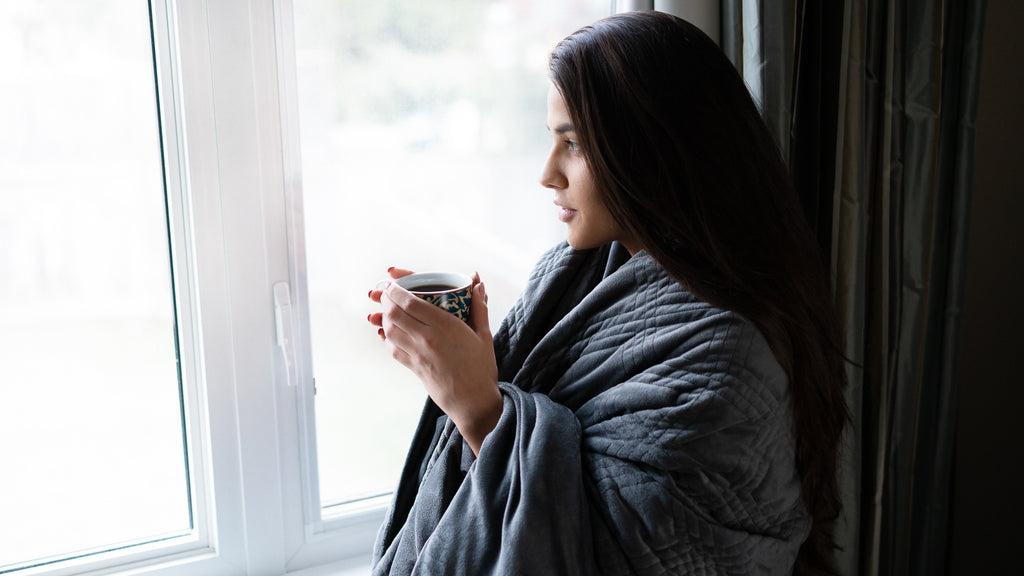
(666, 397)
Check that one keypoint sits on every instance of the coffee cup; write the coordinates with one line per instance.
(447, 290)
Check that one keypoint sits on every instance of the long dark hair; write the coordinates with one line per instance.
(684, 162)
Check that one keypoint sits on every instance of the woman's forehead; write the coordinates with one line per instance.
(558, 114)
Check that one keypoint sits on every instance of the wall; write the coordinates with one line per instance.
(989, 500)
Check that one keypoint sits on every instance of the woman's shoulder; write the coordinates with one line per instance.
(682, 364)
(682, 329)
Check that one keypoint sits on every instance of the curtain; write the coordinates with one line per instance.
(873, 103)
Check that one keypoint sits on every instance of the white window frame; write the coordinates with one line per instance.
(215, 545)
(345, 533)
(233, 226)
(238, 78)
(237, 70)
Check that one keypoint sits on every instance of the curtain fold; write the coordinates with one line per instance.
(731, 33)
(777, 56)
(813, 110)
(945, 40)
(879, 137)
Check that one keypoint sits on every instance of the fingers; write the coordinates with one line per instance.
(408, 321)
(398, 272)
(395, 313)
(478, 319)
(377, 318)
(396, 309)
(397, 341)
(393, 273)
(478, 283)
(410, 311)
(397, 345)
(403, 309)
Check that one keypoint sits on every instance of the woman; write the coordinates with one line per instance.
(666, 397)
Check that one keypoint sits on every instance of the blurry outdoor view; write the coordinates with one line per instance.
(423, 136)
(90, 423)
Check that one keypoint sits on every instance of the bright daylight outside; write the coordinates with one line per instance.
(422, 135)
(90, 420)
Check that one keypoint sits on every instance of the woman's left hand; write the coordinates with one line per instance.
(454, 360)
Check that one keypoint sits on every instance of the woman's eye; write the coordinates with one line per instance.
(573, 145)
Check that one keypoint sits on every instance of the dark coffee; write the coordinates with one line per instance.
(432, 288)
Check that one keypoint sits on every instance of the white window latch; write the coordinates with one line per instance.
(283, 321)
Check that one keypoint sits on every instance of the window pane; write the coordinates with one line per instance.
(90, 410)
(422, 132)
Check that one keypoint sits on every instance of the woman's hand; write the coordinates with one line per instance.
(454, 360)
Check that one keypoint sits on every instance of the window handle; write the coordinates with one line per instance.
(283, 321)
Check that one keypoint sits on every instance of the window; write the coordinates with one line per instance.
(164, 172)
(422, 137)
(116, 385)
(91, 420)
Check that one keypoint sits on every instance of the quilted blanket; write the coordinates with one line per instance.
(644, 431)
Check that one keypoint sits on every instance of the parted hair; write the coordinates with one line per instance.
(686, 165)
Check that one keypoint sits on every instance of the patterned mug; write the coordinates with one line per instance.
(446, 290)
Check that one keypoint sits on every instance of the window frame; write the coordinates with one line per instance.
(243, 169)
(215, 544)
(232, 228)
(243, 152)
(345, 532)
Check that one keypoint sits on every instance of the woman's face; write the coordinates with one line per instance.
(568, 174)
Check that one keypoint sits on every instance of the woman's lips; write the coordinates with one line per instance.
(565, 214)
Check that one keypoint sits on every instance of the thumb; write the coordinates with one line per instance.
(478, 319)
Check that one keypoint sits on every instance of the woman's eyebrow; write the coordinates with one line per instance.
(562, 129)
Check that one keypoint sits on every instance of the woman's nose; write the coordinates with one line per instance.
(551, 176)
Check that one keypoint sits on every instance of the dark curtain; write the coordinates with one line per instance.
(873, 102)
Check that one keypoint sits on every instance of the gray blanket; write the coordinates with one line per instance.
(643, 432)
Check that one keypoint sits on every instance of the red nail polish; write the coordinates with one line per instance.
(390, 269)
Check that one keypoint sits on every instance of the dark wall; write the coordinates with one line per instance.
(988, 509)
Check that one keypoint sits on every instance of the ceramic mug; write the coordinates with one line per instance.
(447, 290)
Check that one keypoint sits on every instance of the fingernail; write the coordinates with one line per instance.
(391, 268)
(369, 294)
(368, 317)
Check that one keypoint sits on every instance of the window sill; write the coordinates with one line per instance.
(353, 567)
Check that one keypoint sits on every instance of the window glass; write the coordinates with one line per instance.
(91, 440)
(422, 136)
